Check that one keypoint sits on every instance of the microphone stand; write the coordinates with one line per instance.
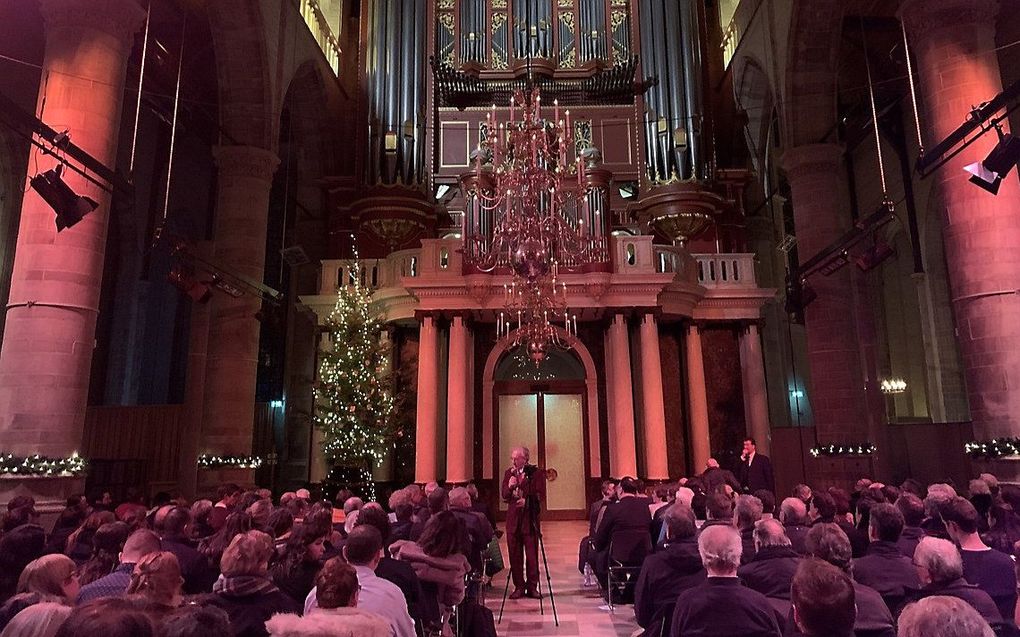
(534, 506)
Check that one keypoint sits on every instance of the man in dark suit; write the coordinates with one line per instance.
(670, 571)
(755, 469)
(627, 517)
(523, 488)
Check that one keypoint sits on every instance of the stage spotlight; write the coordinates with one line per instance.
(988, 174)
(185, 281)
(874, 256)
(70, 207)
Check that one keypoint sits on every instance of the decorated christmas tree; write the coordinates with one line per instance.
(355, 407)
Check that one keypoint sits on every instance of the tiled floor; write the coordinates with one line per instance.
(577, 606)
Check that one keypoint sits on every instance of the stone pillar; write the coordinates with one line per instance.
(244, 178)
(756, 399)
(656, 464)
(838, 393)
(55, 286)
(383, 472)
(951, 40)
(458, 452)
(701, 443)
(428, 386)
(622, 441)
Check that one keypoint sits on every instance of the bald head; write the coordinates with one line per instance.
(793, 511)
(138, 545)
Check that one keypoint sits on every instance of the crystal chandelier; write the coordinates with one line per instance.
(534, 208)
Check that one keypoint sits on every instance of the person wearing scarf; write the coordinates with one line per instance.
(244, 589)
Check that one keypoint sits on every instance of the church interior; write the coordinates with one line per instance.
(627, 234)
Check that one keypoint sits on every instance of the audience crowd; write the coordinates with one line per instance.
(706, 557)
(245, 565)
(697, 557)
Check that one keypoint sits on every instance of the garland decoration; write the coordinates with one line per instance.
(212, 461)
(836, 451)
(994, 448)
(36, 465)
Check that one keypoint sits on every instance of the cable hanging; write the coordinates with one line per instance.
(913, 91)
(874, 118)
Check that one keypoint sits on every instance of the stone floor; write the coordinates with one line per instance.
(577, 606)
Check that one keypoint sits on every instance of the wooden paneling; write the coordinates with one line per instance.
(143, 432)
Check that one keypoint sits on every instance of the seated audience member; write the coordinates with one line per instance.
(244, 589)
(672, 570)
(79, 543)
(51, 576)
(596, 512)
(17, 548)
(294, 572)
(912, 509)
(828, 542)
(718, 510)
(279, 527)
(133, 504)
(1003, 528)
(107, 544)
(479, 533)
(660, 499)
(200, 512)
(884, 567)
(229, 495)
(38, 620)
(403, 511)
(363, 551)
(400, 573)
(823, 600)
(940, 616)
(213, 546)
(110, 617)
(337, 613)
(437, 502)
(939, 494)
(771, 570)
(991, 571)
(478, 505)
(19, 516)
(803, 493)
(436, 557)
(157, 580)
(721, 606)
(138, 545)
(768, 503)
(793, 516)
(940, 570)
(171, 525)
(823, 510)
(746, 512)
(192, 620)
(626, 520)
(74, 514)
(260, 510)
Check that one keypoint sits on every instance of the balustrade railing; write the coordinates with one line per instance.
(322, 32)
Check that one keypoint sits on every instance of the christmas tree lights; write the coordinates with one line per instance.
(355, 407)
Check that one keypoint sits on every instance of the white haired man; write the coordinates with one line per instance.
(721, 606)
(523, 489)
(940, 569)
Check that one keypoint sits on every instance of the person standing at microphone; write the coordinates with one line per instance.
(523, 489)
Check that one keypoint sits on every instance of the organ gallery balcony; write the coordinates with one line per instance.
(642, 274)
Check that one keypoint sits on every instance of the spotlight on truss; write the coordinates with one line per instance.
(183, 278)
(988, 174)
(69, 206)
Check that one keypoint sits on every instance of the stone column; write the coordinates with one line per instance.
(244, 178)
(838, 386)
(701, 443)
(756, 399)
(428, 386)
(458, 452)
(622, 441)
(656, 465)
(951, 40)
(55, 286)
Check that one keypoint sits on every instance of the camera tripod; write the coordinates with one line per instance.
(534, 506)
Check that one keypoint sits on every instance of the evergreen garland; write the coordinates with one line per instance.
(355, 408)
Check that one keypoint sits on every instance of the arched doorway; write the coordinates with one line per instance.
(545, 409)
